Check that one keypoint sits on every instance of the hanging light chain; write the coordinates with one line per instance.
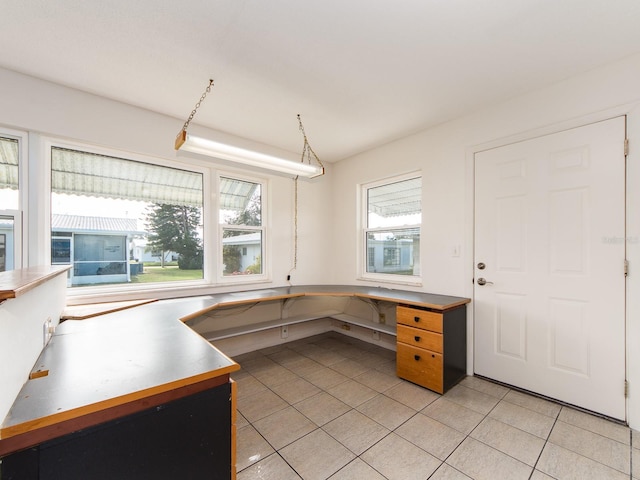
(195, 109)
(307, 151)
(295, 223)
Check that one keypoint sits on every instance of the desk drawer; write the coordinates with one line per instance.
(420, 366)
(414, 317)
(420, 338)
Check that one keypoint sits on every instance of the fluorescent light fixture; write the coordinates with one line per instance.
(187, 142)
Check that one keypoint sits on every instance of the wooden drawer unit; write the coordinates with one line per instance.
(424, 319)
(432, 346)
(420, 338)
(420, 366)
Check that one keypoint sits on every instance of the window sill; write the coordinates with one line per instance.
(89, 295)
(385, 279)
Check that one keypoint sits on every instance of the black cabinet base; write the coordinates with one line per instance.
(186, 438)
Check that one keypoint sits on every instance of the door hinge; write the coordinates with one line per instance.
(626, 388)
(626, 268)
(626, 147)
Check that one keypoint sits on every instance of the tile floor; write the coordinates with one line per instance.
(331, 407)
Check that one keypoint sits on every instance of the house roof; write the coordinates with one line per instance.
(246, 239)
(77, 223)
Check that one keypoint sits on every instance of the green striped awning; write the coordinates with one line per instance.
(8, 163)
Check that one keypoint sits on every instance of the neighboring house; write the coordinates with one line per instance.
(141, 252)
(249, 246)
(97, 247)
(392, 256)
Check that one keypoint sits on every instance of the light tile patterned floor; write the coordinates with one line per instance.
(331, 407)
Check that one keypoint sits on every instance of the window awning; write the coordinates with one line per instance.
(82, 173)
(396, 199)
(8, 163)
(235, 194)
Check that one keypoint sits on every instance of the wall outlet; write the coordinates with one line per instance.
(284, 331)
(47, 331)
(376, 335)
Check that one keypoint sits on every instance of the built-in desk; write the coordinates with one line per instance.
(373, 296)
(137, 393)
(134, 394)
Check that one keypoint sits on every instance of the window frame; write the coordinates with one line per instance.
(265, 276)
(364, 253)
(17, 242)
(20, 214)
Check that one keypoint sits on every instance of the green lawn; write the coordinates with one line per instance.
(166, 274)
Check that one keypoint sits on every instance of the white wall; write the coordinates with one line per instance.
(22, 334)
(444, 154)
(46, 110)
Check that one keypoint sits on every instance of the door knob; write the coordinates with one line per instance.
(482, 281)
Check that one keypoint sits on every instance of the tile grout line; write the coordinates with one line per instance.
(473, 429)
(318, 427)
(390, 431)
(630, 454)
(412, 416)
(546, 441)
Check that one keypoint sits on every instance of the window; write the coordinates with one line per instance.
(61, 251)
(9, 173)
(391, 257)
(3, 252)
(371, 257)
(120, 221)
(241, 228)
(11, 194)
(392, 229)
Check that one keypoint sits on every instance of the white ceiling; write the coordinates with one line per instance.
(360, 72)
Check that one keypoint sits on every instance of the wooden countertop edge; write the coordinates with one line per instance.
(240, 301)
(74, 413)
(115, 307)
(330, 294)
(283, 296)
(443, 308)
(14, 289)
(388, 298)
(49, 431)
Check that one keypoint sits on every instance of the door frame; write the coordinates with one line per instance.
(632, 223)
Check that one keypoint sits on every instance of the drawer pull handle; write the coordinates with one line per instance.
(416, 338)
(416, 319)
(417, 357)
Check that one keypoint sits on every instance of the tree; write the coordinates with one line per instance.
(231, 256)
(256, 267)
(250, 216)
(175, 228)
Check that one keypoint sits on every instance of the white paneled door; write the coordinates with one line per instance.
(549, 294)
